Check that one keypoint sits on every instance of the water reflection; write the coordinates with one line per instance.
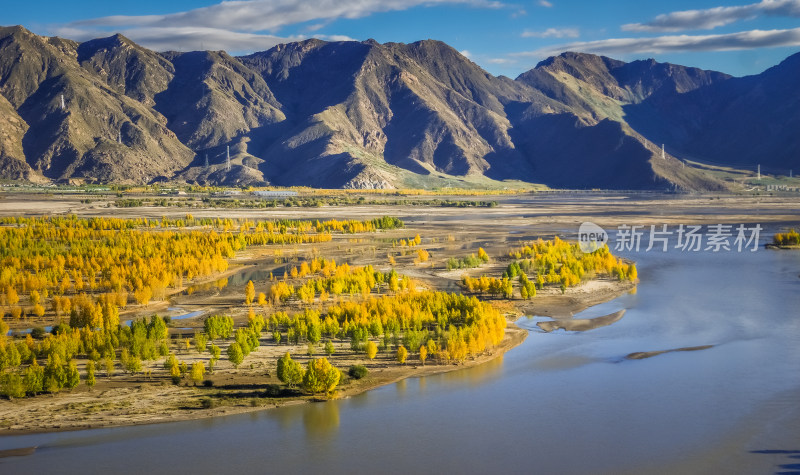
(321, 419)
(206, 287)
(475, 376)
(401, 387)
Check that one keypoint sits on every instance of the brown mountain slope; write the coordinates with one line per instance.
(598, 87)
(598, 146)
(99, 133)
(127, 67)
(214, 98)
(742, 122)
(12, 130)
(371, 113)
(364, 114)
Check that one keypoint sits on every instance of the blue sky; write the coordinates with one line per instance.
(503, 37)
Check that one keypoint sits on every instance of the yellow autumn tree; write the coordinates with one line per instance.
(423, 354)
(372, 349)
(402, 354)
(249, 292)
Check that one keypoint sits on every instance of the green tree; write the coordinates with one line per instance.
(54, 375)
(157, 328)
(34, 378)
(200, 341)
(12, 385)
(133, 364)
(329, 348)
(218, 326)
(90, 378)
(289, 371)
(314, 331)
(235, 354)
(73, 377)
(24, 352)
(171, 364)
(12, 356)
(110, 365)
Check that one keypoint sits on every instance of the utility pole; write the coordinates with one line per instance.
(759, 171)
(228, 159)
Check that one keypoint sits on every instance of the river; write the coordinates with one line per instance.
(558, 403)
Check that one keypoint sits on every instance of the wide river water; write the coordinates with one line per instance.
(558, 403)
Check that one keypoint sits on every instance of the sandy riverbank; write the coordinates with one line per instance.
(128, 400)
(125, 400)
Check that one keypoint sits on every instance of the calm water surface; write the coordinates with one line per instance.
(559, 403)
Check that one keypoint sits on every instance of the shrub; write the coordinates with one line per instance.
(357, 371)
(208, 403)
(60, 328)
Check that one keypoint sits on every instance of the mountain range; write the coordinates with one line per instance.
(369, 115)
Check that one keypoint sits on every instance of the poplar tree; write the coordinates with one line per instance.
(90, 378)
(402, 354)
(372, 350)
(289, 371)
(198, 372)
(235, 354)
(249, 293)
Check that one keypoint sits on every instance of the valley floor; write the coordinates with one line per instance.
(446, 232)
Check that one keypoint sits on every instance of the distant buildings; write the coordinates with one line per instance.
(781, 188)
(275, 193)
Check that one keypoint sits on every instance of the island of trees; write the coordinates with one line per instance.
(82, 273)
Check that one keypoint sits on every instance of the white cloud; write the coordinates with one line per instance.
(552, 33)
(502, 61)
(334, 37)
(186, 38)
(715, 17)
(676, 43)
(465, 53)
(269, 15)
(545, 3)
(241, 25)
